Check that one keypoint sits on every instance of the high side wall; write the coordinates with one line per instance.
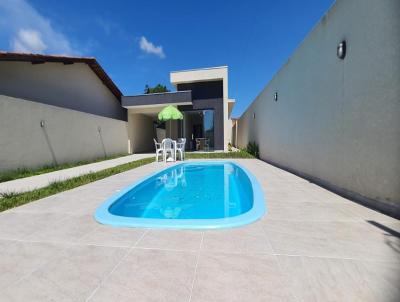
(66, 136)
(335, 121)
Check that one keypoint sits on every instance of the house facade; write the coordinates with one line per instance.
(56, 109)
(201, 95)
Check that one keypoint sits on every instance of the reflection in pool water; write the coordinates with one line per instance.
(189, 191)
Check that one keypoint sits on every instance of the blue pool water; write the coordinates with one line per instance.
(188, 195)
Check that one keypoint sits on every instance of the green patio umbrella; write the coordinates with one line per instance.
(170, 113)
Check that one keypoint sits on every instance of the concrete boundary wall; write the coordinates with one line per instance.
(66, 136)
(337, 122)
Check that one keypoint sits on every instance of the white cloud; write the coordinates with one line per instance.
(150, 48)
(29, 31)
(28, 40)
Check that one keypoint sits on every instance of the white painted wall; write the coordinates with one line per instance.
(338, 121)
(68, 135)
(200, 74)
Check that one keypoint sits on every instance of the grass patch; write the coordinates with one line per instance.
(237, 154)
(10, 200)
(25, 172)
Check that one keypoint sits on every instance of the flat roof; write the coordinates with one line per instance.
(163, 98)
(156, 93)
(196, 69)
(199, 75)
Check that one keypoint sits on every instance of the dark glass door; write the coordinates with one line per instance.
(208, 127)
(198, 129)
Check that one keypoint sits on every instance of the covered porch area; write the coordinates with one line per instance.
(143, 127)
(197, 126)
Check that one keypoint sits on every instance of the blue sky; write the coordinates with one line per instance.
(140, 42)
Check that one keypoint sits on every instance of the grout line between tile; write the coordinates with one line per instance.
(38, 268)
(197, 264)
(269, 241)
(115, 267)
(336, 258)
(290, 292)
(200, 251)
(164, 249)
(70, 243)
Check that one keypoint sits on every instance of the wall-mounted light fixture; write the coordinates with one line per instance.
(341, 50)
(42, 123)
(276, 96)
(99, 128)
(254, 115)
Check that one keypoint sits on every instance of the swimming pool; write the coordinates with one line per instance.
(193, 195)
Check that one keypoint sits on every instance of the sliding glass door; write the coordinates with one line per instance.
(198, 129)
(208, 127)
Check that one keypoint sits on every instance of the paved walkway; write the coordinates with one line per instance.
(312, 245)
(43, 180)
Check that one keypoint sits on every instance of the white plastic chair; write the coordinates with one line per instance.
(159, 149)
(180, 148)
(168, 147)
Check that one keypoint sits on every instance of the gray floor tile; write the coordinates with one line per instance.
(18, 259)
(311, 211)
(70, 230)
(228, 277)
(71, 276)
(323, 279)
(150, 275)
(247, 239)
(171, 240)
(21, 225)
(112, 236)
(331, 239)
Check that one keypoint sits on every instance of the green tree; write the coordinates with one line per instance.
(156, 89)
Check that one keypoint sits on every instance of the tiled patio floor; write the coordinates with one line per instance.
(311, 246)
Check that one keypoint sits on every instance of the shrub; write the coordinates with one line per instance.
(252, 148)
